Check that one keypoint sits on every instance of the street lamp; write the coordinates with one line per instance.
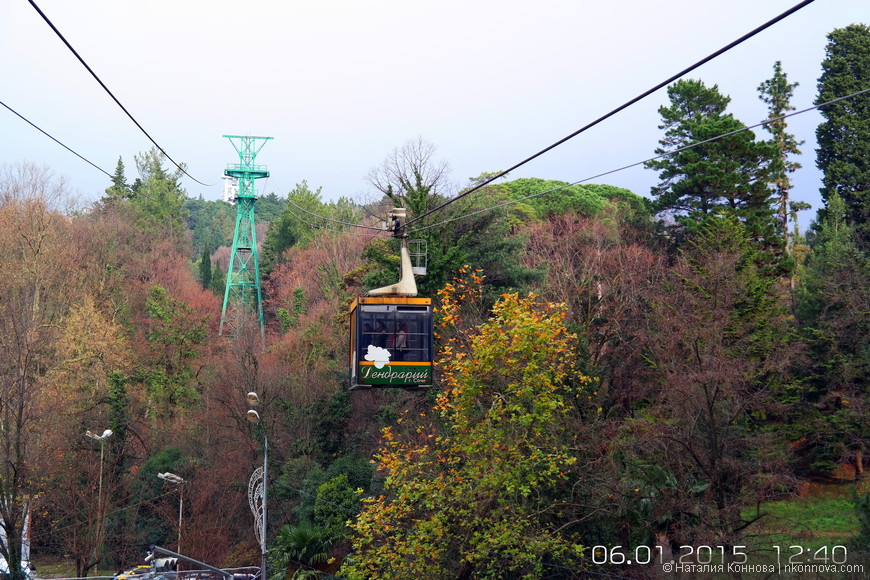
(100, 515)
(177, 480)
(254, 417)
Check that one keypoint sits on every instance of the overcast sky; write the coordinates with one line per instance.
(339, 84)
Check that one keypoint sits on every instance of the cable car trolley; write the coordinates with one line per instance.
(391, 330)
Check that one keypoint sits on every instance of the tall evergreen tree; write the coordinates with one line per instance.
(834, 302)
(777, 93)
(843, 154)
(205, 268)
(159, 197)
(730, 173)
(119, 188)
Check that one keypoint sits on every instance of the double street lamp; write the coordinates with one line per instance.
(259, 511)
(176, 480)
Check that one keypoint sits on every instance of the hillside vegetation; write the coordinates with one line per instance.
(637, 375)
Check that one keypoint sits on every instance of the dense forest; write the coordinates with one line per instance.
(613, 369)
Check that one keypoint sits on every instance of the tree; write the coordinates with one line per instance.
(844, 135)
(158, 197)
(300, 547)
(119, 189)
(35, 291)
(834, 299)
(175, 335)
(300, 220)
(777, 93)
(720, 351)
(205, 267)
(211, 222)
(411, 177)
(471, 494)
(731, 172)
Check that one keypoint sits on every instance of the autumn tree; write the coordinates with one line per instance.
(606, 268)
(720, 351)
(35, 293)
(470, 495)
(84, 391)
(844, 135)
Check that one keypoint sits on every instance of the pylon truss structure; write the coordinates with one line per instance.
(243, 294)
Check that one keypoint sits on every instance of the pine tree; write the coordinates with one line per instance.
(119, 188)
(844, 135)
(777, 93)
(729, 173)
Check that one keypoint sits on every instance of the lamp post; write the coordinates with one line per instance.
(100, 515)
(254, 417)
(176, 480)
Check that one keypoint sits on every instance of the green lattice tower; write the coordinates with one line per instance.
(243, 294)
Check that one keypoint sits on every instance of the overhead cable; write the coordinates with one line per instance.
(55, 140)
(623, 168)
(102, 84)
(299, 207)
(326, 229)
(643, 95)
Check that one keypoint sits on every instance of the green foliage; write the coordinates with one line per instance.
(175, 336)
(564, 198)
(299, 220)
(332, 416)
(336, 504)
(151, 526)
(158, 197)
(833, 300)
(210, 222)
(844, 135)
(119, 189)
(205, 268)
(270, 207)
(297, 481)
(777, 93)
(218, 281)
(119, 408)
(383, 258)
(731, 173)
(289, 318)
(300, 546)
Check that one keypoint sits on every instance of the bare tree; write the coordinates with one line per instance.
(412, 177)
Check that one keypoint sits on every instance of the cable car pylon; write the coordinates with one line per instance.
(243, 294)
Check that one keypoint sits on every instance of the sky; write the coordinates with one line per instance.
(340, 84)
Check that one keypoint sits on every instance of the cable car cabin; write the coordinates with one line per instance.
(390, 342)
